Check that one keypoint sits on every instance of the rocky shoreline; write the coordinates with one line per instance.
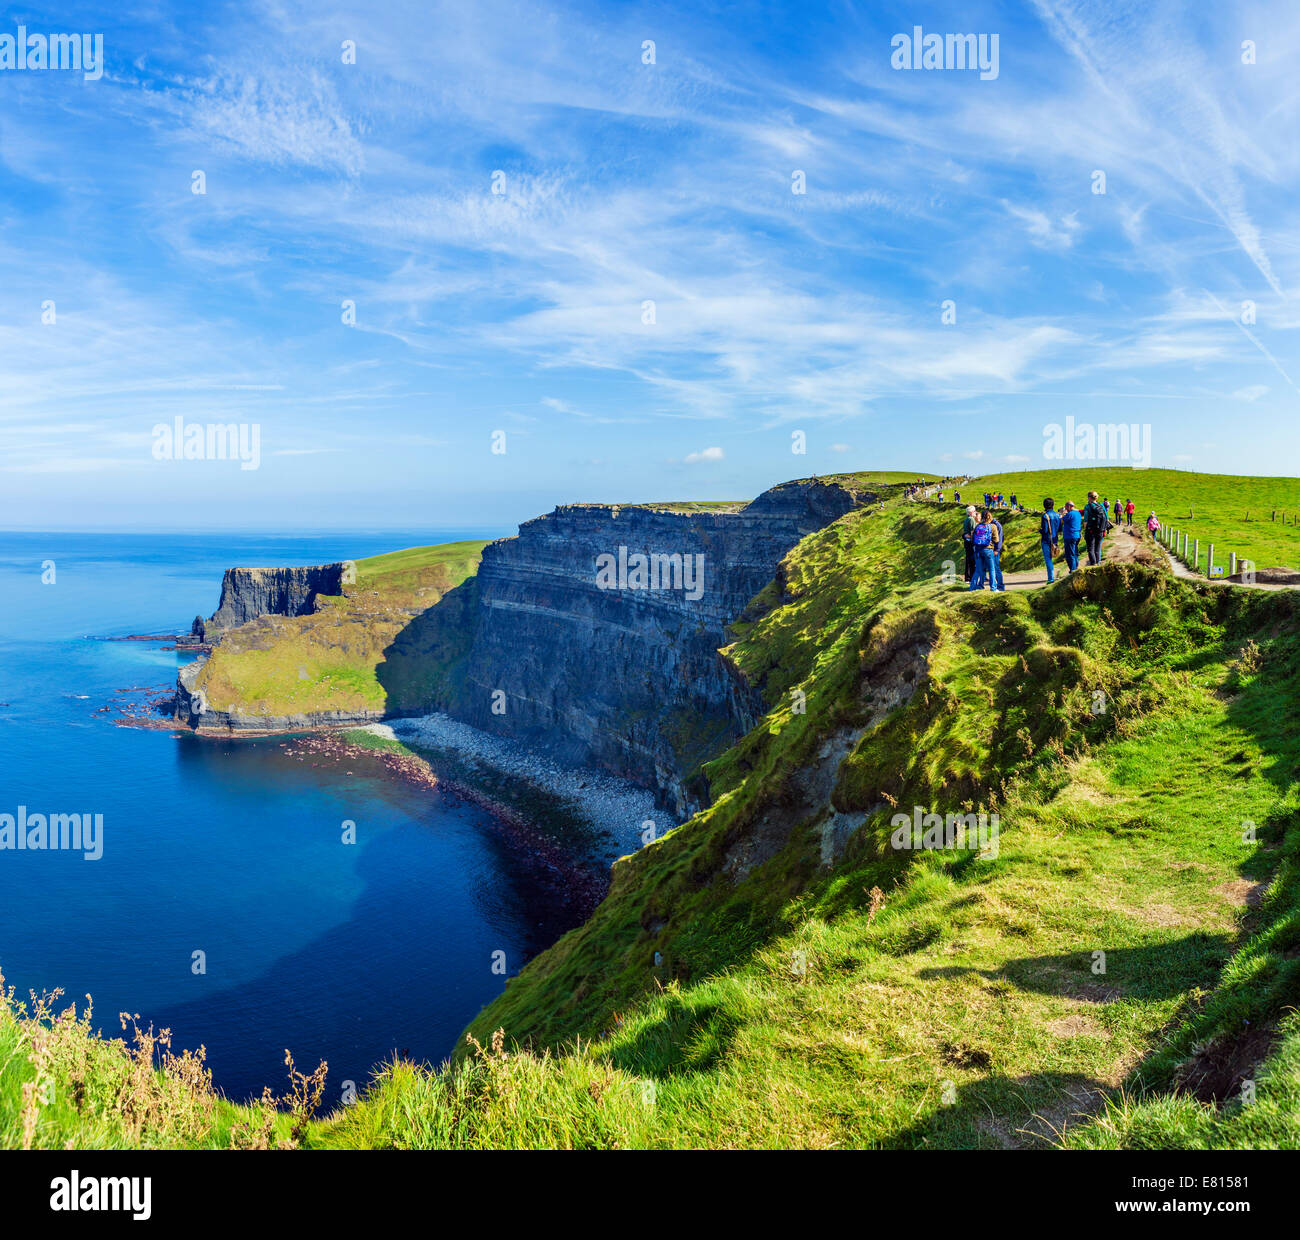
(609, 803)
(574, 881)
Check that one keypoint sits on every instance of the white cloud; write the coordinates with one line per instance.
(1058, 235)
(708, 454)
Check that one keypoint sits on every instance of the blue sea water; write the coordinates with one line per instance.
(232, 848)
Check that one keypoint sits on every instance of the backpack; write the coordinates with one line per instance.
(1095, 519)
(983, 535)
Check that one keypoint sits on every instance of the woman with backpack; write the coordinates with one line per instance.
(1049, 533)
(1153, 526)
(997, 583)
(983, 540)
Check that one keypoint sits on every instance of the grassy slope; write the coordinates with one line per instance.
(1121, 834)
(958, 1006)
(1232, 512)
(342, 658)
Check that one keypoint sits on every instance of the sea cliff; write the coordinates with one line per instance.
(593, 635)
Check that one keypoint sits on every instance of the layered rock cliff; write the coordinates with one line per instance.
(247, 593)
(576, 652)
(593, 635)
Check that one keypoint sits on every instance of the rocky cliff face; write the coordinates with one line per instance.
(598, 631)
(247, 593)
(592, 635)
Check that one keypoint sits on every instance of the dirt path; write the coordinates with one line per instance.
(1120, 545)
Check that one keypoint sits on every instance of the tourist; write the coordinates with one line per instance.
(1071, 528)
(997, 585)
(982, 543)
(1129, 509)
(1049, 533)
(1095, 521)
(967, 531)
(1153, 526)
(1119, 513)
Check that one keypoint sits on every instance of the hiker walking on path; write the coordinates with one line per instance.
(1119, 513)
(1071, 529)
(1129, 509)
(1095, 521)
(967, 532)
(982, 540)
(1153, 526)
(1049, 533)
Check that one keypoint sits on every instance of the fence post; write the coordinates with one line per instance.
(1232, 564)
(1196, 555)
(1209, 562)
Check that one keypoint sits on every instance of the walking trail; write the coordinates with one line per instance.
(1122, 544)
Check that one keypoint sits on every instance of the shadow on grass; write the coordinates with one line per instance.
(1001, 1112)
(1157, 971)
(420, 667)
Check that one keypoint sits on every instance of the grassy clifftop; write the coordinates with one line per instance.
(345, 657)
(1258, 518)
(1124, 727)
(1123, 972)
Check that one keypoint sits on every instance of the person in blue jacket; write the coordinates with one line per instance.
(1049, 532)
(1071, 532)
(983, 539)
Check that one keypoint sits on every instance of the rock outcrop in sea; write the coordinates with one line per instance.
(247, 593)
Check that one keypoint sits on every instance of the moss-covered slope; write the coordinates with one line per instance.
(363, 651)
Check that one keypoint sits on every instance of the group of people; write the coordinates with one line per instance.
(920, 488)
(1057, 530)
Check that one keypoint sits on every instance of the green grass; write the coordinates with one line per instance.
(359, 652)
(879, 477)
(758, 977)
(1234, 513)
(692, 505)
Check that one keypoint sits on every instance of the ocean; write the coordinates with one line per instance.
(232, 849)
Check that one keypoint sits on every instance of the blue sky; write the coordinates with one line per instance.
(627, 182)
